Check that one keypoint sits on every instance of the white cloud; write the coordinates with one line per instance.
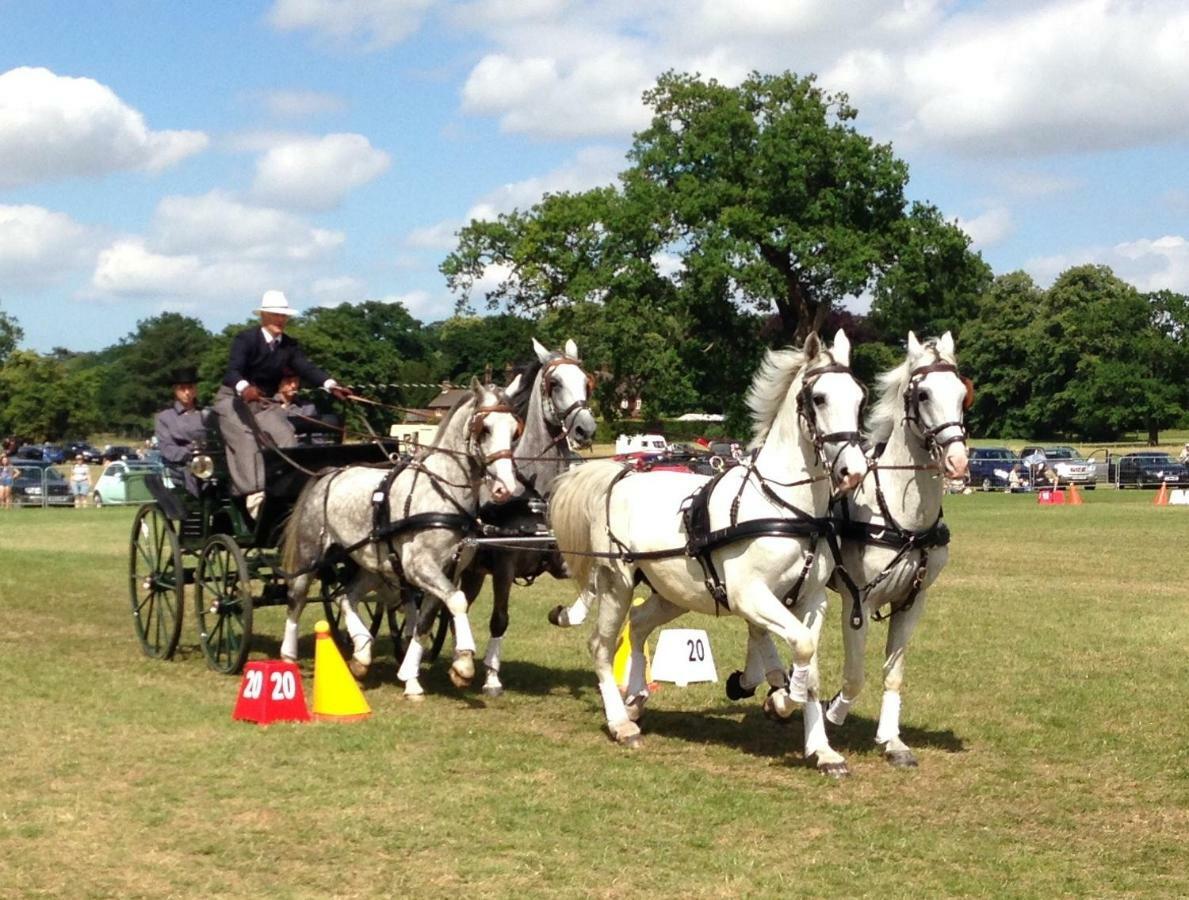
(316, 173)
(214, 247)
(440, 236)
(1150, 264)
(989, 228)
(341, 289)
(295, 104)
(368, 24)
(54, 127)
(590, 167)
(423, 305)
(39, 246)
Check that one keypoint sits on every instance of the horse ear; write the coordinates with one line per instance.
(813, 346)
(513, 385)
(841, 348)
(571, 349)
(914, 346)
(539, 349)
(476, 387)
(946, 344)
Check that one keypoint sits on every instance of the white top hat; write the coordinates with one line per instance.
(275, 302)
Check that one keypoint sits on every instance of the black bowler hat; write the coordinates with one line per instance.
(184, 375)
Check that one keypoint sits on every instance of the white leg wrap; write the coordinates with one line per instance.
(491, 660)
(889, 718)
(464, 640)
(799, 683)
(613, 704)
(289, 641)
(576, 614)
(413, 688)
(411, 664)
(815, 728)
(839, 709)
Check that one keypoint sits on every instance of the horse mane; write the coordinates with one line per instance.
(528, 376)
(444, 425)
(888, 408)
(769, 387)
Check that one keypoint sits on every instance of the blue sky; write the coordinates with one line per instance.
(187, 156)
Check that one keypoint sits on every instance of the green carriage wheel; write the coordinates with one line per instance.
(223, 598)
(334, 580)
(156, 581)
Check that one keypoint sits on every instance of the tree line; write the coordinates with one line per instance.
(744, 218)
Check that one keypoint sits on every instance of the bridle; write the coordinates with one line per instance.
(808, 416)
(912, 409)
(475, 432)
(563, 418)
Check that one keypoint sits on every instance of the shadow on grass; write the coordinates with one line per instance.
(746, 728)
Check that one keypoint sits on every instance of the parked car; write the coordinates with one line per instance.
(40, 485)
(124, 482)
(91, 455)
(1151, 469)
(640, 443)
(1066, 464)
(119, 451)
(990, 468)
(31, 455)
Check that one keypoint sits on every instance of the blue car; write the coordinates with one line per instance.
(990, 468)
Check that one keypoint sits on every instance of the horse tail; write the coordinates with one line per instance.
(291, 559)
(577, 508)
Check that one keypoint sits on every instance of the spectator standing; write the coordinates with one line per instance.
(80, 482)
(8, 474)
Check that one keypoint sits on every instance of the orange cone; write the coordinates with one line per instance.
(337, 698)
(1075, 496)
(1162, 497)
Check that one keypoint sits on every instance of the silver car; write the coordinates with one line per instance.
(1066, 464)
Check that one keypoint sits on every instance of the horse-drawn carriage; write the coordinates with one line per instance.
(207, 539)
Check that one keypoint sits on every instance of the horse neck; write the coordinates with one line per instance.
(912, 494)
(538, 457)
(450, 463)
(787, 455)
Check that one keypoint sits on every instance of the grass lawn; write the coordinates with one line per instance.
(1044, 697)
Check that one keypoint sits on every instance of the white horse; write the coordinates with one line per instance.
(893, 540)
(805, 404)
(552, 396)
(405, 525)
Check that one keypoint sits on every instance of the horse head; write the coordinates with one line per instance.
(491, 432)
(828, 406)
(565, 393)
(935, 401)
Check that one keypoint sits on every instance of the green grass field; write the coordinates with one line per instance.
(1045, 699)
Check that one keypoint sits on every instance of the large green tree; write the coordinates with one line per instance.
(11, 335)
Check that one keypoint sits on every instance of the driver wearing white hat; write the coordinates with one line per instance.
(247, 416)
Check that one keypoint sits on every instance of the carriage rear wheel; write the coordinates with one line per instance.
(157, 582)
(334, 580)
(224, 602)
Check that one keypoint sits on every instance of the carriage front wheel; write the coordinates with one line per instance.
(157, 582)
(223, 597)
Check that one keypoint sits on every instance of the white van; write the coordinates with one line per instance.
(641, 443)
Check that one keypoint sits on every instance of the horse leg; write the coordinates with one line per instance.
(645, 618)
(299, 588)
(423, 621)
(854, 648)
(900, 629)
(501, 587)
(615, 596)
(575, 613)
(361, 636)
(829, 761)
(763, 663)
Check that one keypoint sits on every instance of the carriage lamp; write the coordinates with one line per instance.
(202, 466)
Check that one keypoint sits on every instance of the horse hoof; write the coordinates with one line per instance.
(458, 679)
(415, 698)
(632, 742)
(735, 688)
(555, 615)
(358, 669)
(778, 706)
(901, 759)
(462, 670)
(493, 690)
(835, 770)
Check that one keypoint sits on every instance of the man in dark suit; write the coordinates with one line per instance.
(248, 416)
(181, 427)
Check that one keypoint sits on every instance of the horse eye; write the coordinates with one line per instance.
(819, 399)
(923, 396)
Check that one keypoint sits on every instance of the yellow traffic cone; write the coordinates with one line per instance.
(337, 698)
